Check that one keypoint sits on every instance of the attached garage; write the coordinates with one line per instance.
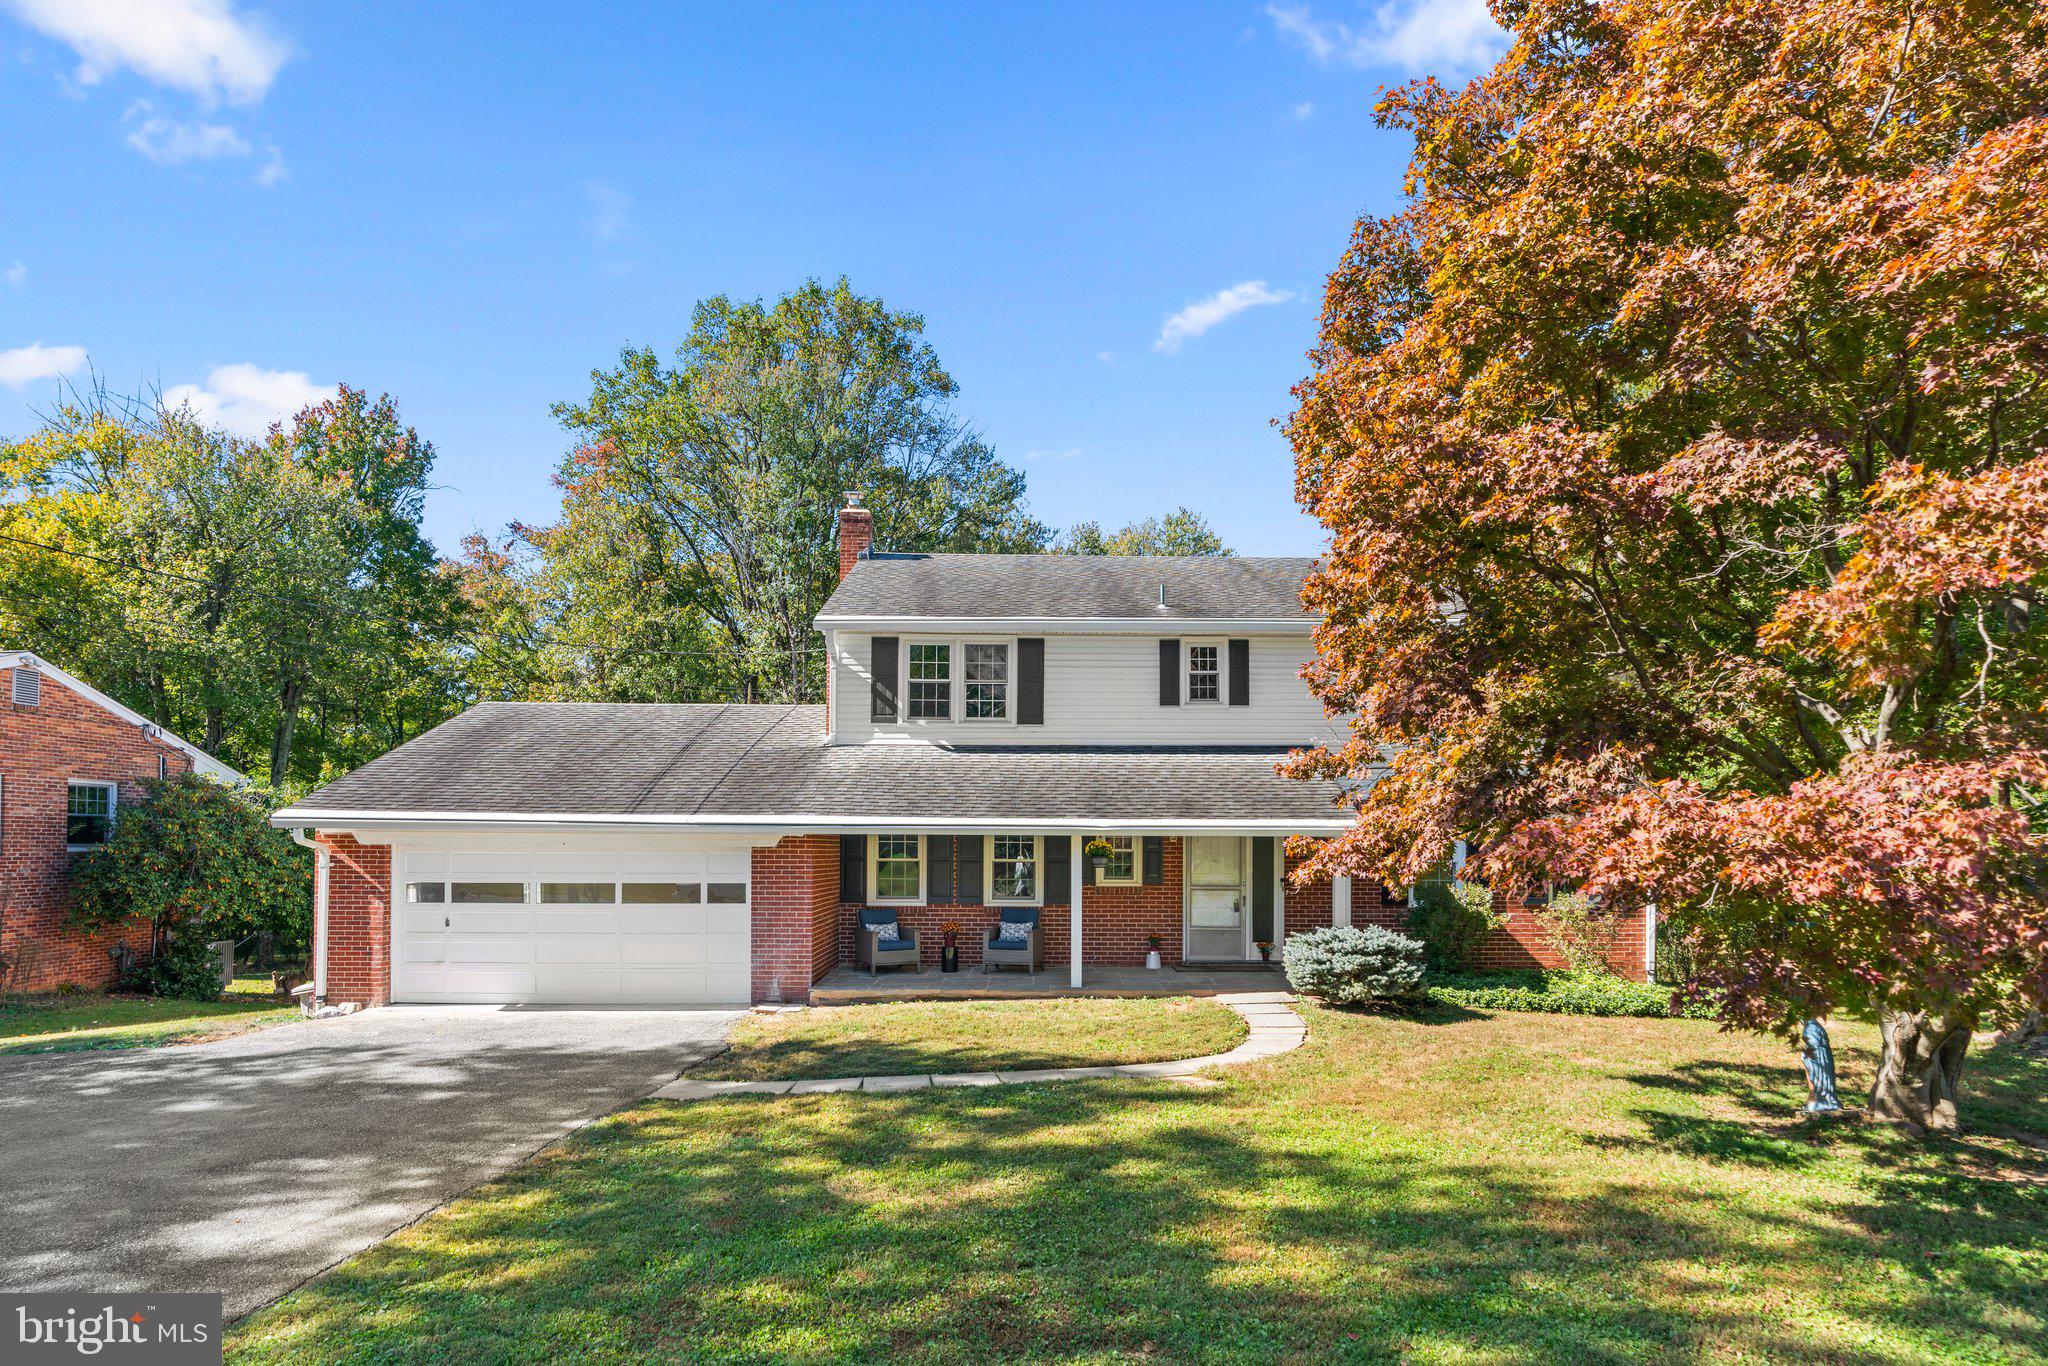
(571, 927)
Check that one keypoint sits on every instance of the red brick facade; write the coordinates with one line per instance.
(358, 920)
(1522, 944)
(64, 737)
(795, 895)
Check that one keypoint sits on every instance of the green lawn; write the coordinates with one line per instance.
(971, 1036)
(1497, 1189)
(69, 1022)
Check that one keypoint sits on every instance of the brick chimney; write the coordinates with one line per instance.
(856, 533)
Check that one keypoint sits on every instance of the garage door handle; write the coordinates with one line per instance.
(445, 922)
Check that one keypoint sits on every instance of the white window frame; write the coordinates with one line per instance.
(1187, 673)
(113, 791)
(1009, 683)
(953, 657)
(875, 897)
(988, 872)
(1137, 877)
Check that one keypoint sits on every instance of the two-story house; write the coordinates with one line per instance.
(987, 715)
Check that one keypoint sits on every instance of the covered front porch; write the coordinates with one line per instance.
(1211, 906)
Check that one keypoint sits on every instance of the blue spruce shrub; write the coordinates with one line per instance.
(1355, 965)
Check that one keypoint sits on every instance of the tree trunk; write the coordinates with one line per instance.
(281, 737)
(1918, 1072)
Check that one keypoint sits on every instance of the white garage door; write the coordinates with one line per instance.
(574, 928)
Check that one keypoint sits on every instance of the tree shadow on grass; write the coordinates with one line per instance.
(1077, 1220)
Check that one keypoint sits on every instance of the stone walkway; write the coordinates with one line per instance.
(1275, 1029)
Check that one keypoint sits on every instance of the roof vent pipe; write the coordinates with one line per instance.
(1162, 595)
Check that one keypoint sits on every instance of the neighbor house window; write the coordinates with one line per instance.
(931, 682)
(1205, 673)
(1123, 860)
(988, 682)
(89, 815)
(1013, 868)
(897, 873)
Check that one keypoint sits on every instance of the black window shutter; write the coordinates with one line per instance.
(1155, 860)
(938, 872)
(882, 668)
(1169, 673)
(853, 868)
(1262, 888)
(1031, 682)
(967, 869)
(1240, 673)
(1057, 850)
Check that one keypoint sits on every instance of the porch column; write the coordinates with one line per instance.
(1078, 874)
(1340, 900)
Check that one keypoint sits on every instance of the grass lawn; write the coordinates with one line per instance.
(1472, 1188)
(971, 1036)
(75, 1022)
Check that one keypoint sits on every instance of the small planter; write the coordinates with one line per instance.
(1152, 959)
(949, 958)
(1265, 951)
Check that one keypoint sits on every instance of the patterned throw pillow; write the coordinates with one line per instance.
(1018, 930)
(886, 930)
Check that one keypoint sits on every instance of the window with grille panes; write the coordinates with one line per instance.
(1205, 673)
(931, 682)
(1013, 869)
(1122, 868)
(899, 868)
(987, 672)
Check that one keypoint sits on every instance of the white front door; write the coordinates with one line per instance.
(1218, 901)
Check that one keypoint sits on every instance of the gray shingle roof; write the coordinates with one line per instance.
(683, 760)
(1198, 588)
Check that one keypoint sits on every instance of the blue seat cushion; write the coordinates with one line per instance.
(892, 945)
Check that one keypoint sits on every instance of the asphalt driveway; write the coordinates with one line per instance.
(250, 1164)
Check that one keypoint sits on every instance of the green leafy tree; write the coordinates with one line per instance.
(200, 861)
(699, 504)
(1180, 532)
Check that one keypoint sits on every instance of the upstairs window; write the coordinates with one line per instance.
(988, 682)
(931, 682)
(1205, 673)
(89, 815)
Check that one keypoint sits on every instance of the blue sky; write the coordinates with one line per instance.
(471, 206)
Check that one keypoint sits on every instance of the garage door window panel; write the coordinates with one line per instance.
(579, 893)
(662, 893)
(726, 893)
(426, 893)
(487, 893)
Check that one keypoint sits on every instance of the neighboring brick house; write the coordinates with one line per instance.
(70, 759)
(985, 715)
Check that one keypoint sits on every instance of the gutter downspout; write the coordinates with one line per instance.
(319, 913)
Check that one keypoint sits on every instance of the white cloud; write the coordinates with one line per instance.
(1203, 314)
(202, 47)
(245, 399)
(27, 364)
(16, 273)
(272, 171)
(172, 142)
(611, 212)
(1415, 35)
(1305, 110)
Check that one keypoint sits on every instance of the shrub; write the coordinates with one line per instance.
(1558, 993)
(1580, 932)
(1355, 965)
(1453, 920)
(182, 968)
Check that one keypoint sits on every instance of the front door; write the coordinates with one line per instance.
(1217, 899)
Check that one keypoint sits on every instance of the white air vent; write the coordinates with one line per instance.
(28, 687)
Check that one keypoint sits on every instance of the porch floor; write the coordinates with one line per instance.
(848, 985)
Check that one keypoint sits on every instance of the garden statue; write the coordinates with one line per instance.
(1820, 1069)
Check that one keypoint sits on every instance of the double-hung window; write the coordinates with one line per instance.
(88, 815)
(988, 682)
(1205, 673)
(1013, 870)
(931, 682)
(897, 873)
(1122, 868)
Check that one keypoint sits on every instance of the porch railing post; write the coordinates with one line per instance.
(1340, 900)
(1078, 867)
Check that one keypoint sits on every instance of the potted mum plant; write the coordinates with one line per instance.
(1098, 853)
(1152, 943)
(949, 953)
(1265, 948)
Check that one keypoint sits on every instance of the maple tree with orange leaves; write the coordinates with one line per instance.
(1681, 447)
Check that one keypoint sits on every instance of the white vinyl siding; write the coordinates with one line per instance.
(1104, 690)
